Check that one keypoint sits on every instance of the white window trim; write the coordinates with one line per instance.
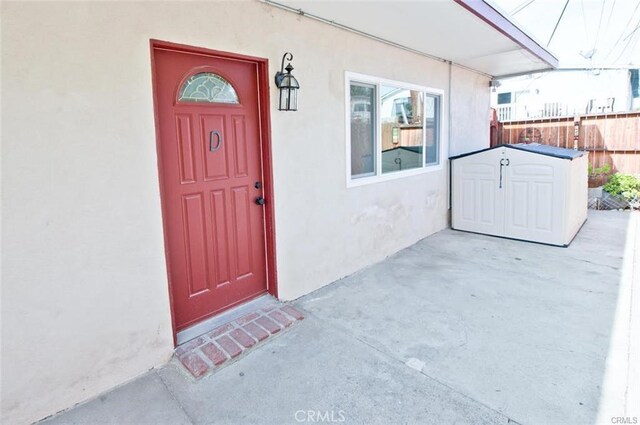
(379, 177)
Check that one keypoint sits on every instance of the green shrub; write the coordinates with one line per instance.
(599, 171)
(625, 185)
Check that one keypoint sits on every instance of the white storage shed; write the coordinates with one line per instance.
(529, 192)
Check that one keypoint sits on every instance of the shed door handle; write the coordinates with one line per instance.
(215, 140)
(504, 162)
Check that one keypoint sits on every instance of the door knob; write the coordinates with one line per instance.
(260, 200)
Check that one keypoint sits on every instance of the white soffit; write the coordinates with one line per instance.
(470, 33)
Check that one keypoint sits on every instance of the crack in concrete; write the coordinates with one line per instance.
(173, 396)
(392, 357)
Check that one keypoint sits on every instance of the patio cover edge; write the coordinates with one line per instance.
(502, 24)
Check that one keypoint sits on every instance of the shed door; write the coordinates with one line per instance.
(211, 174)
(478, 204)
(533, 199)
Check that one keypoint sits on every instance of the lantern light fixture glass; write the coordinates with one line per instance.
(288, 86)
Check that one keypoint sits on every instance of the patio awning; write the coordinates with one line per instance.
(471, 33)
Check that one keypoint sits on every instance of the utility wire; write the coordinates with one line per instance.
(633, 49)
(632, 31)
(622, 52)
(558, 23)
(606, 29)
(599, 25)
(521, 7)
(584, 21)
(628, 44)
(624, 30)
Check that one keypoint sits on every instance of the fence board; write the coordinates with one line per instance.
(612, 139)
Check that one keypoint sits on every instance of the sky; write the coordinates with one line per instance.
(606, 30)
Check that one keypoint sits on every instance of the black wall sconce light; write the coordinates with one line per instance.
(288, 86)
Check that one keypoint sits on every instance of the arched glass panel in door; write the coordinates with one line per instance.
(207, 87)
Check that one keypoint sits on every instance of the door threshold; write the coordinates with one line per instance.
(225, 317)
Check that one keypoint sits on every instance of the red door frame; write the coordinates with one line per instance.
(262, 66)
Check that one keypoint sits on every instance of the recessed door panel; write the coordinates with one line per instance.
(543, 195)
(487, 201)
(214, 146)
(468, 193)
(185, 149)
(241, 208)
(193, 218)
(240, 143)
(220, 238)
(518, 204)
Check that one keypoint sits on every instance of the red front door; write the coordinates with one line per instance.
(211, 180)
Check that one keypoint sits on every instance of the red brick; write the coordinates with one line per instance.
(268, 324)
(214, 354)
(256, 331)
(243, 338)
(248, 318)
(220, 330)
(281, 318)
(268, 308)
(227, 344)
(194, 364)
(189, 346)
(292, 312)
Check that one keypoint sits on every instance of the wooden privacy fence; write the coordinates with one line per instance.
(611, 138)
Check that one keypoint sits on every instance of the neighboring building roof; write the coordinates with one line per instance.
(470, 33)
(536, 148)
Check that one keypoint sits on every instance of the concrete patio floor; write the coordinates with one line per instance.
(459, 328)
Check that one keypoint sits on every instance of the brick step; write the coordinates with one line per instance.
(215, 349)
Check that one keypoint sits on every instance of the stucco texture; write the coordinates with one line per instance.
(85, 303)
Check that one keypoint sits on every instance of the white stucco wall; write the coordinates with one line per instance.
(84, 289)
(470, 95)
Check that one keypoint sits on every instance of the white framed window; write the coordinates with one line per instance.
(393, 129)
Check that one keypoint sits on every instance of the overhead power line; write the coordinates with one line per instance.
(599, 24)
(584, 21)
(622, 34)
(606, 29)
(629, 44)
(632, 31)
(558, 23)
(521, 7)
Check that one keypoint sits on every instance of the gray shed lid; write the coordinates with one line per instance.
(548, 150)
(533, 148)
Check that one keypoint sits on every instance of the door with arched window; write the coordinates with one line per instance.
(209, 147)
